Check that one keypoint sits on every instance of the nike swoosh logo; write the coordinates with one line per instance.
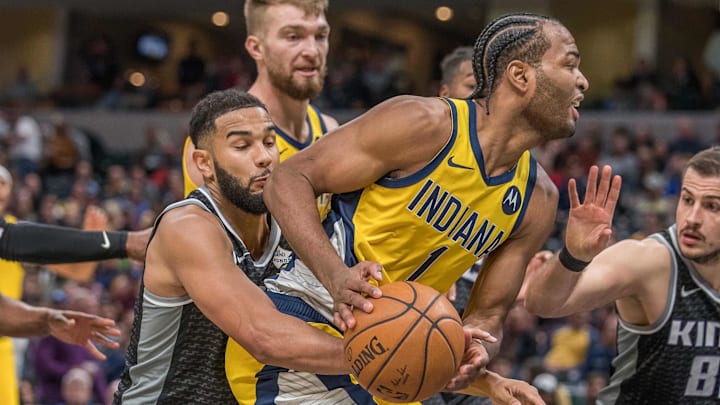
(686, 293)
(106, 241)
(282, 151)
(452, 163)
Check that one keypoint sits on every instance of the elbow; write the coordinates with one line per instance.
(539, 306)
(259, 345)
(262, 346)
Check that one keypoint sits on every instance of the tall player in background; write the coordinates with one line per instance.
(666, 289)
(288, 39)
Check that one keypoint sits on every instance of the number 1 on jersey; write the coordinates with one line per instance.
(432, 258)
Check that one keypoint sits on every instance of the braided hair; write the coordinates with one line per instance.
(514, 36)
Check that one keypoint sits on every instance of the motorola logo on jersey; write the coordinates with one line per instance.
(511, 201)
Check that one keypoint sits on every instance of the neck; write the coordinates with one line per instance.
(288, 113)
(708, 271)
(504, 136)
(253, 229)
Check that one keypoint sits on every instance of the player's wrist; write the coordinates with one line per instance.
(571, 262)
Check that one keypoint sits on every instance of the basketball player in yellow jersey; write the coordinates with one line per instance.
(427, 186)
(288, 39)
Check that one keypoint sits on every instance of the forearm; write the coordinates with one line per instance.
(549, 288)
(291, 200)
(18, 319)
(47, 244)
(299, 346)
(482, 385)
(490, 324)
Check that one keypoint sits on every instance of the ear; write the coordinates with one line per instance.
(444, 90)
(252, 45)
(520, 76)
(203, 162)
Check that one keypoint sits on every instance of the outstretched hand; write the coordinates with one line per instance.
(589, 225)
(347, 289)
(84, 330)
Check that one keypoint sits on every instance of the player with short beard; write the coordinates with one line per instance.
(427, 186)
(288, 39)
(665, 288)
(206, 257)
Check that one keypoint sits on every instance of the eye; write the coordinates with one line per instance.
(322, 36)
(293, 37)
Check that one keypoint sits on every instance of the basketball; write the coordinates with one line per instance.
(410, 345)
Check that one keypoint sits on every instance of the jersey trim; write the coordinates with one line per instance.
(167, 302)
(691, 269)
(434, 163)
(667, 312)
(320, 119)
(475, 143)
(529, 187)
(311, 136)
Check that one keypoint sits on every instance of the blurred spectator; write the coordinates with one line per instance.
(569, 347)
(594, 382)
(23, 137)
(622, 158)
(551, 390)
(116, 182)
(53, 359)
(687, 140)
(77, 388)
(683, 88)
(640, 90)
(110, 393)
(100, 63)
(191, 75)
(602, 348)
(21, 90)
(60, 157)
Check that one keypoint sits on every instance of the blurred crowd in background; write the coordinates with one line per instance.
(60, 169)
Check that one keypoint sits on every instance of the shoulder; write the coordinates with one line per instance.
(544, 184)
(189, 219)
(415, 116)
(648, 252)
(330, 122)
(542, 207)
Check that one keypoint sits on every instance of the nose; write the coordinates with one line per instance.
(311, 47)
(694, 215)
(583, 82)
(264, 156)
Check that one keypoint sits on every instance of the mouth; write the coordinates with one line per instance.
(308, 71)
(690, 238)
(574, 105)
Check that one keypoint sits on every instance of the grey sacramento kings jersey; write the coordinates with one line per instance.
(677, 359)
(176, 355)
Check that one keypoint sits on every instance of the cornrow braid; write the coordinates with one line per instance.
(513, 36)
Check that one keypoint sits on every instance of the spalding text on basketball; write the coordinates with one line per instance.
(367, 355)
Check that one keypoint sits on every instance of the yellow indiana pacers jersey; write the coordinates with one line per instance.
(287, 146)
(434, 224)
(11, 281)
(187, 181)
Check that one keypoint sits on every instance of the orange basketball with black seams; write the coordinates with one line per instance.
(410, 345)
